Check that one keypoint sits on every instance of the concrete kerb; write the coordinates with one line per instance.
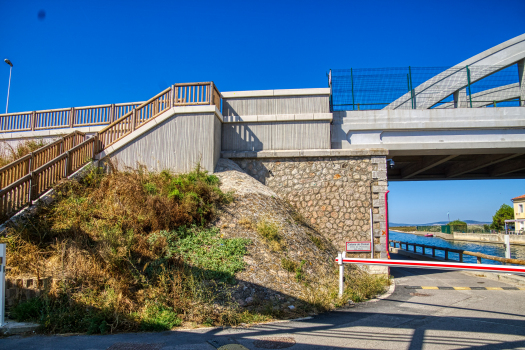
(12, 327)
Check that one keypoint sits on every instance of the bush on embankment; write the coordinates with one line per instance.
(127, 251)
(135, 251)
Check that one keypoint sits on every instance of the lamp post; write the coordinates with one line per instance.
(9, 86)
(448, 214)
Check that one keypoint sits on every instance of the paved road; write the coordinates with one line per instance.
(408, 319)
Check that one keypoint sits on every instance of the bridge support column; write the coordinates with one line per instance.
(521, 73)
(460, 98)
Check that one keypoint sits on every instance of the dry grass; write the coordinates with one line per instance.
(9, 153)
(269, 231)
(114, 242)
(133, 251)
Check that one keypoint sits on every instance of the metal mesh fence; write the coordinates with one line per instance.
(424, 87)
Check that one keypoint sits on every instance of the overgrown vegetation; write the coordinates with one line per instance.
(129, 251)
(270, 232)
(9, 153)
(134, 250)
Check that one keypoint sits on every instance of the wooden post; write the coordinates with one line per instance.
(69, 164)
(173, 96)
(433, 252)
(133, 119)
(460, 256)
(33, 121)
(112, 113)
(33, 190)
(415, 245)
(72, 117)
(211, 93)
(423, 249)
(478, 259)
(95, 145)
(446, 254)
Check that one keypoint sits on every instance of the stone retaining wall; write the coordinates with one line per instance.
(333, 193)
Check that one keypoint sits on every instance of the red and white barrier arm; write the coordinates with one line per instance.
(436, 265)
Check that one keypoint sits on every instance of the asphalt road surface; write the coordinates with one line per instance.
(410, 318)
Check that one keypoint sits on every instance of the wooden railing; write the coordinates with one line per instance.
(29, 187)
(190, 94)
(186, 94)
(23, 166)
(460, 253)
(29, 177)
(64, 117)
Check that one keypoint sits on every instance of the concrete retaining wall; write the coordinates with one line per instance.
(333, 193)
(178, 144)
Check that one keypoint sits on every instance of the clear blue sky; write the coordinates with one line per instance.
(94, 52)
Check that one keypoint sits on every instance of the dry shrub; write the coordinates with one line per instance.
(100, 242)
(9, 153)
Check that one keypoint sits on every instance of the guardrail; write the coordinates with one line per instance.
(460, 252)
(25, 179)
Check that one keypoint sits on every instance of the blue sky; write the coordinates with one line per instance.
(93, 52)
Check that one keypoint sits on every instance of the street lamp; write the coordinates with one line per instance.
(9, 86)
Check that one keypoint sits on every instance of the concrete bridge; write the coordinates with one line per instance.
(331, 165)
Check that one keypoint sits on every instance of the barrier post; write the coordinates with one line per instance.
(341, 274)
(2, 284)
(507, 246)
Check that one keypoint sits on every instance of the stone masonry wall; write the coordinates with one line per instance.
(334, 194)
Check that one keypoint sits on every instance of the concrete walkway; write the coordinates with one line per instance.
(408, 319)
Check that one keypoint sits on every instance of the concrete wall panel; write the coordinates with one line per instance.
(276, 105)
(275, 136)
(176, 144)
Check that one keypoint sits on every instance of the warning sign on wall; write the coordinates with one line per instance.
(358, 246)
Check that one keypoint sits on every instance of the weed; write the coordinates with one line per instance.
(288, 265)
(317, 241)
(299, 274)
(270, 232)
(247, 223)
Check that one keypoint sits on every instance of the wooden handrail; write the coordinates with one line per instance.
(69, 155)
(23, 166)
(458, 251)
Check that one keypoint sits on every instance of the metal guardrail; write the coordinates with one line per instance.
(460, 252)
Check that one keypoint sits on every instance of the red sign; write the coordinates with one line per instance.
(358, 246)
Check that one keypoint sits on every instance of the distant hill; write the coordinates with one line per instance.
(469, 222)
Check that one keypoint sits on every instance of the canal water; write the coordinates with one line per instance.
(516, 251)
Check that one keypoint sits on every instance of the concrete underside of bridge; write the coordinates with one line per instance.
(457, 166)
